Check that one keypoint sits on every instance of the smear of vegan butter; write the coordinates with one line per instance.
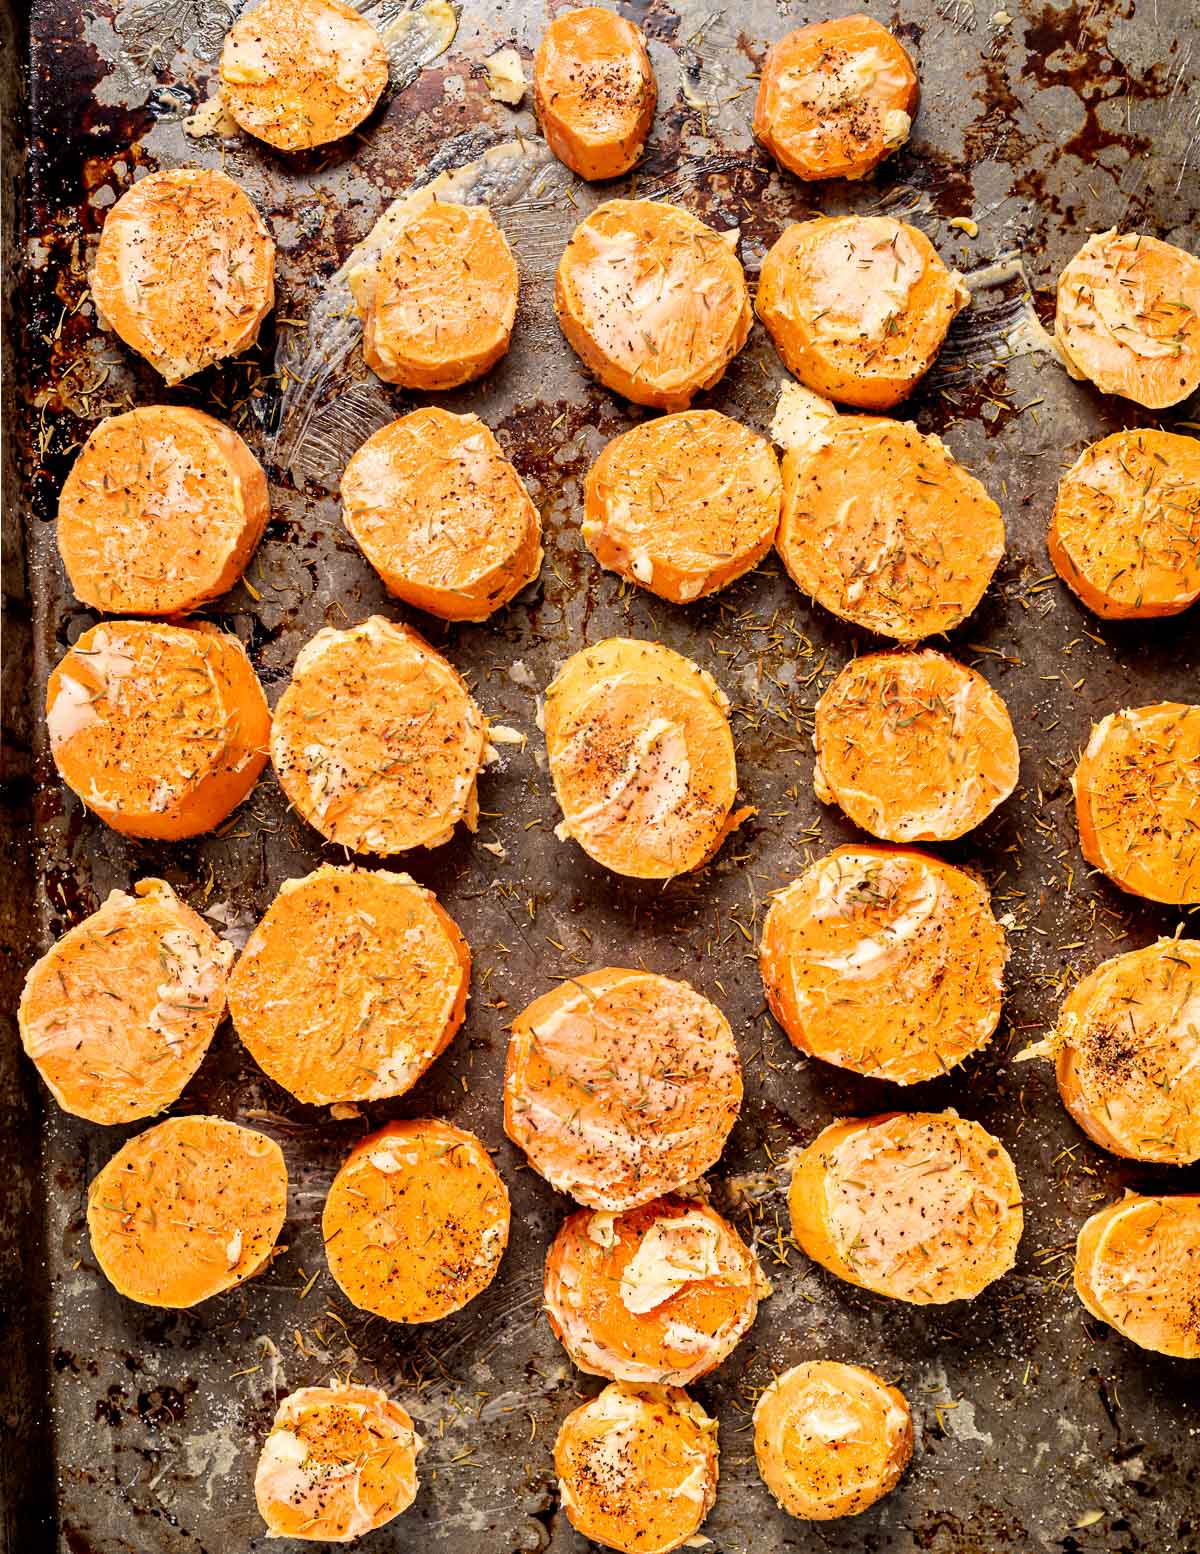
(210, 118)
(505, 76)
(801, 418)
(416, 37)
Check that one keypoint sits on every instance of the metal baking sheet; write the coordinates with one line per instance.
(132, 1431)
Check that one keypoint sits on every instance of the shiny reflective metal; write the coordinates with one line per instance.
(1036, 1428)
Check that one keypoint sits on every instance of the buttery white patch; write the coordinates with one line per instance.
(1121, 319)
(802, 419)
(71, 711)
(192, 979)
(672, 1253)
(896, 127)
(505, 76)
(210, 118)
(861, 279)
(600, 1229)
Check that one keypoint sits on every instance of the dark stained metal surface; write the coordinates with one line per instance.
(1037, 1429)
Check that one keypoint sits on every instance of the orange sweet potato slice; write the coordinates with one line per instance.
(1137, 800)
(683, 504)
(1128, 318)
(442, 515)
(119, 1013)
(188, 1208)
(660, 1294)
(621, 1086)
(884, 528)
(339, 1461)
(642, 758)
(1136, 1267)
(300, 73)
(377, 740)
(594, 90)
(160, 512)
(416, 1221)
(835, 98)
(652, 301)
(160, 729)
(858, 306)
(637, 1468)
(914, 746)
(886, 961)
(831, 1439)
(1127, 1050)
(923, 1207)
(1125, 535)
(441, 308)
(351, 985)
(185, 270)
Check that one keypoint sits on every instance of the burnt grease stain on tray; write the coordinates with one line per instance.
(1037, 1428)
